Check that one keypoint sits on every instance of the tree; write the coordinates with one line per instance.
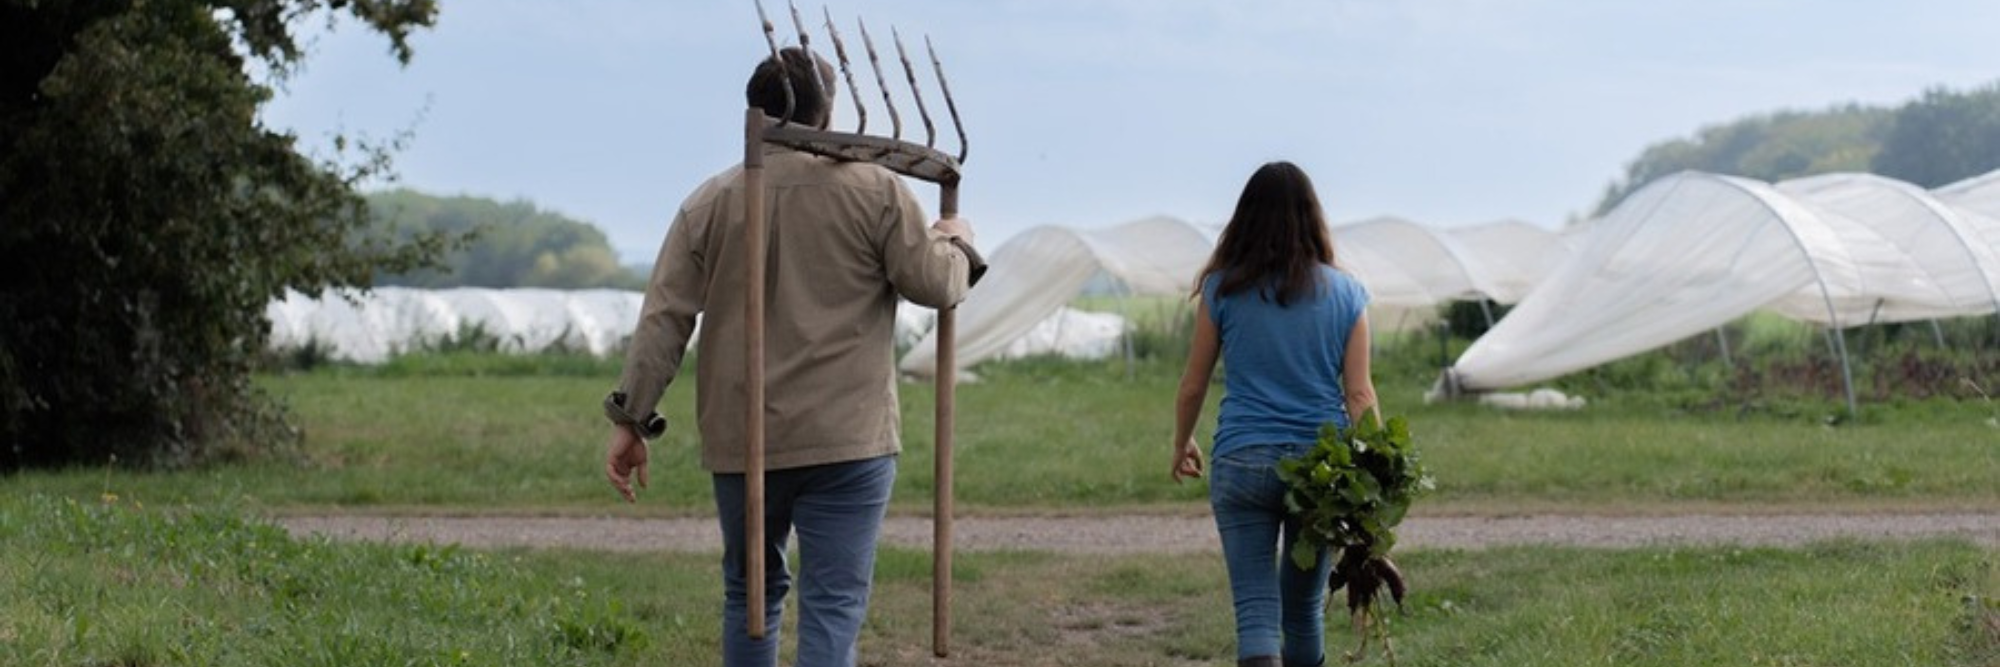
(513, 244)
(147, 218)
(1768, 147)
(1943, 137)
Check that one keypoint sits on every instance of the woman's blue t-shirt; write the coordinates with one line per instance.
(1281, 366)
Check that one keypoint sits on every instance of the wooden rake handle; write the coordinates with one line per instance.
(907, 158)
(754, 233)
(947, 390)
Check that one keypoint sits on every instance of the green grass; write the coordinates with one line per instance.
(1830, 604)
(461, 435)
(107, 566)
(116, 584)
(111, 583)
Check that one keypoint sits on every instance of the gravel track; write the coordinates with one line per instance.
(1168, 534)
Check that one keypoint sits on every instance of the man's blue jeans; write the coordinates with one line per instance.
(837, 510)
(1280, 609)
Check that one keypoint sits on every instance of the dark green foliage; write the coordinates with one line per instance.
(1350, 492)
(513, 244)
(1354, 487)
(1934, 140)
(1167, 337)
(1765, 365)
(1943, 137)
(148, 218)
(1766, 147)
(1471, 319)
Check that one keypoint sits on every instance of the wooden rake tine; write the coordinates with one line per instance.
(853, 91)
(945, 417)
(910, 73)
(881, 83)
(921, 162)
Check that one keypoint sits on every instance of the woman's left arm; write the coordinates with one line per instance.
(1356, 379)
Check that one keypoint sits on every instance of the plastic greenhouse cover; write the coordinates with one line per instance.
(1693, 251)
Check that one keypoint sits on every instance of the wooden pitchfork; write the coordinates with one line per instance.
(922, 162)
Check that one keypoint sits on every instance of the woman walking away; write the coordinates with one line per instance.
(1290, 329)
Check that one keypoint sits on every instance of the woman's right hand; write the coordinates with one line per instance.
(1187, 460)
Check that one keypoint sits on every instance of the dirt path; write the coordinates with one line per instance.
(1170, 534)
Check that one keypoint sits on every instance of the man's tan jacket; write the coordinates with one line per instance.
(845, 240)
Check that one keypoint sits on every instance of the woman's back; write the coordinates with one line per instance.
(1282, 365)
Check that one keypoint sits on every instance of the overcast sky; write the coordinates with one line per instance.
(1088, 113)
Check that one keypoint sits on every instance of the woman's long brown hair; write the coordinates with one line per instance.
(1277, 239)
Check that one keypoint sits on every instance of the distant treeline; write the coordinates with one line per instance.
(1940, 137)
(510, 244)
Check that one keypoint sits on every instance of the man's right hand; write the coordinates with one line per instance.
(954, 226)
(624, 459)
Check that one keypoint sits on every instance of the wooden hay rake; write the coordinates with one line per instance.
(920, 161)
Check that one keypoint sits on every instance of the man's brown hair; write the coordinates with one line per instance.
(812, 96)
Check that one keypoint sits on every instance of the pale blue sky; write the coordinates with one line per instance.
(1089, 113)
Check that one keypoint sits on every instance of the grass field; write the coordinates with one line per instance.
(111, 566)
(110, 583)
(1055, 437)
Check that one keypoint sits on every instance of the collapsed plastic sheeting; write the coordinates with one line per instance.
(1071, 333)
(1017, 310)
(1539, 399)
(373, 326)
(1406, 264)
(1409, 269)
(1694, 251)
(1037, 271)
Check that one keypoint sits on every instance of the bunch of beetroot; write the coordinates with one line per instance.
(1350, 492)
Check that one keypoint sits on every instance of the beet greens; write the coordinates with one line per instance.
(1350, 492)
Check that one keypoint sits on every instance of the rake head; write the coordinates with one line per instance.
(922, 161)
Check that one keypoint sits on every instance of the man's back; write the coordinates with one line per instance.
(845, 240)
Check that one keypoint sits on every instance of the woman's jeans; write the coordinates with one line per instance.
(1280, 609)
(837, 510)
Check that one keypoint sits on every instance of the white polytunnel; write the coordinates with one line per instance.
(1693, 251)
(1402, 263)
(1019, 309)
(1946, 245)
(1408, 264)
(372, 326)
(1979, 195)
(1507, 259)
(1407, 267)
(1037, 271)
(1682, 255)
(1411, 268)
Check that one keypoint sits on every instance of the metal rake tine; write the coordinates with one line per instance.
(881, 83)
(840, 52)
(949, 103)
(930, 130)
(784, 74)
